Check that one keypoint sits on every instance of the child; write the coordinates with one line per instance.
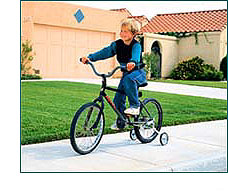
(128, 52)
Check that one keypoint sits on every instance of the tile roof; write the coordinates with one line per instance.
(143, 20)
(200, 21)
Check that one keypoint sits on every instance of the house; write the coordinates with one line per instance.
(142, 20)
(59, 40)
(201, 33)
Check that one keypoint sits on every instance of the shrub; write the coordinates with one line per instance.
(223, 67)
(210, 73)
(195, 69)
(151, 59)
(30, 77)
(26, 57)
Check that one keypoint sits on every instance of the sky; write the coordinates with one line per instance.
(152, 8)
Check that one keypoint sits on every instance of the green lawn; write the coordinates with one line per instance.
(47, 108)
(214, 84)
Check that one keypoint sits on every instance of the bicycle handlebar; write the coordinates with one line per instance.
(123, 68)
(109, 73)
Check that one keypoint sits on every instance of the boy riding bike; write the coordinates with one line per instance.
(128, 52)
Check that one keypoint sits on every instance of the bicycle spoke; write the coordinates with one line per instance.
(86, 137)
(149, 116)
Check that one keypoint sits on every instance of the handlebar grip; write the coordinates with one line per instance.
(87, 62)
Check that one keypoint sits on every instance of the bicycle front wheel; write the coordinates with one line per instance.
(151, 121)
(87, 128)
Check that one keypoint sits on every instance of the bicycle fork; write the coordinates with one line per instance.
(88, 118)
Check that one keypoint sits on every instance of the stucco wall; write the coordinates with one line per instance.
(169, 50)
(208, 47)
(212, 47)
(223, 44)
(61, 14)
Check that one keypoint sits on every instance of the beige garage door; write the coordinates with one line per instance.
(58, 50)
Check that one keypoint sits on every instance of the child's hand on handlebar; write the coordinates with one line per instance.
(130, 66)
(84, 60)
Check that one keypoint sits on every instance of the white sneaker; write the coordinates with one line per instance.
(132, 111)
(114, 127)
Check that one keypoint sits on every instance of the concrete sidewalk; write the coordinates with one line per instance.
(207, 92)
(198, 147)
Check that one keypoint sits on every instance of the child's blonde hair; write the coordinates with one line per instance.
(132, 25)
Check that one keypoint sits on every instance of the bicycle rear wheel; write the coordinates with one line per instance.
(151, 118)
(87, 128)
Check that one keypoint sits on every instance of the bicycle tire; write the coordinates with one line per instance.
(151, 120)
(81, 128)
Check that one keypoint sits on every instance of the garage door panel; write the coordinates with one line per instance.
(106, 39)
(55, 36)
(80, 69)
(59, 49)
(55, 59)
(81, 38)
(39, 62)
(69, 37)
(81, 52)
(68, 59)
(40, 35)
(94, 39)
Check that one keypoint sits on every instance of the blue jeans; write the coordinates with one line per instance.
(129, 83)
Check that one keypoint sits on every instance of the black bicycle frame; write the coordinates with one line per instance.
(107, 98)
(104, 87)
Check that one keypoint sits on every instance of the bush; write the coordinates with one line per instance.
(27, 56)
(195, 69)
(210, 73)
(29, 76)
(151, 59)
(223, 67)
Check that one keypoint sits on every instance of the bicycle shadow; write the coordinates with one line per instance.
(127, 143)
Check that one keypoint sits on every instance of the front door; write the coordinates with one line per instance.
(155, 49)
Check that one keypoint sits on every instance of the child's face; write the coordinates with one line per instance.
(125, 34)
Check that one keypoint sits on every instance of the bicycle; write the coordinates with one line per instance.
(88, 124)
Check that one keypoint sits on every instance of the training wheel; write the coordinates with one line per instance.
(133, 135)
(164, 138)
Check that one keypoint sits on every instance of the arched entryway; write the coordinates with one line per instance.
(156, 50)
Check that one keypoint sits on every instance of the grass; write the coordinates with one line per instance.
(214, 84)
(47, 108)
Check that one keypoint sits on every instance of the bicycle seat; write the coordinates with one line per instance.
(143, 84)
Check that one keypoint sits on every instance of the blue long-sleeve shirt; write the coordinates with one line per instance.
(111, 51)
